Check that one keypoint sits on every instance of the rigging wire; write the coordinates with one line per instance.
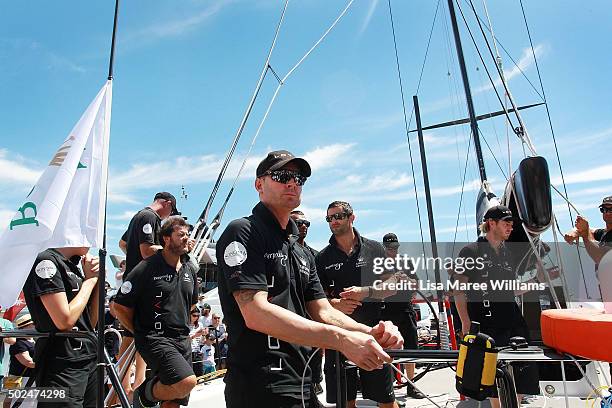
(499, 62)
(493, 155)
(433, 24)
(203, 217)
(281, 83)
(552, 131)
(467, 138)
(521, 132)
(484, 64)
(516, 65)
(461, 196)
(406, 126)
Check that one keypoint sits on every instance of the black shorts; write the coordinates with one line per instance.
(376, 385)
(239, 397)
(407, 325)
(526, 375)
(168, 358)
(78, 377)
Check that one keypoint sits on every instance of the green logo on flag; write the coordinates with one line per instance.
(25, 220)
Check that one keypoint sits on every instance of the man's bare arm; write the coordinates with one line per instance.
(63, 314)
(265, 317)
(147, 250)
(125, 315)
(594, 250)
(461, 304)
(123, 246)
(322, 311)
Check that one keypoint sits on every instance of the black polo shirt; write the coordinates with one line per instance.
(311, 250)
(603, 237)
(143, 228)
(54, 273)
(15, 366)
(256, 253)
(400, 303)
(337, 271)
(491, 307)
(160, 296)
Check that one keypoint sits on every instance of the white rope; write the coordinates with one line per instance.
(282, 82)
(412, 384)
(242, 122)
(304, 375)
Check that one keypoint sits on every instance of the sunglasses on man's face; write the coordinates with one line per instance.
(299, 223)
(605, 210)
(338, 216)
(285, 176)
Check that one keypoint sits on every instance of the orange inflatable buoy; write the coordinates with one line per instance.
(581, 332)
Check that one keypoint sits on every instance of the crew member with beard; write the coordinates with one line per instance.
(496, 310)
(273, 304)
(345, 268)
(155, 302)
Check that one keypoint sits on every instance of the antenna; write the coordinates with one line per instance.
(184, 194)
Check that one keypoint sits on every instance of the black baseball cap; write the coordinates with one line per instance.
(606, 202)
(278, 159)
(390, 241)
(499, 213)
(164, 195)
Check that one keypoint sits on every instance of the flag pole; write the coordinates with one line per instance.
(101, 367)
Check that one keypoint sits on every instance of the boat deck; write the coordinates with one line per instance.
(439, 385)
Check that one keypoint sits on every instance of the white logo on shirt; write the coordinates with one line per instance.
(335, 266)
(147, 229)
(277, 255)
(235, 254)
(46, 269)
(126, 287)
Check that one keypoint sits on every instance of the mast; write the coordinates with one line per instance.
(101, 368)
(468, 92)
(443, 330)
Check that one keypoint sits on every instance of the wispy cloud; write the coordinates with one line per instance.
(124, 216)
(368, 17)
(522, 65)
(14, 171)
(203, 169)
(599, 173)
(46, 58)
(174, 27)
(328, 156)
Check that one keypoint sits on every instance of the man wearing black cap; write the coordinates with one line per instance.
(140, 241)
(273, 304)
(495, 309)
(597, 242)
(398, 308)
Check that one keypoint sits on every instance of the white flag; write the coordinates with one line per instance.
(66, 207)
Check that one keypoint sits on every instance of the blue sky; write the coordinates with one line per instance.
(185, 71)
